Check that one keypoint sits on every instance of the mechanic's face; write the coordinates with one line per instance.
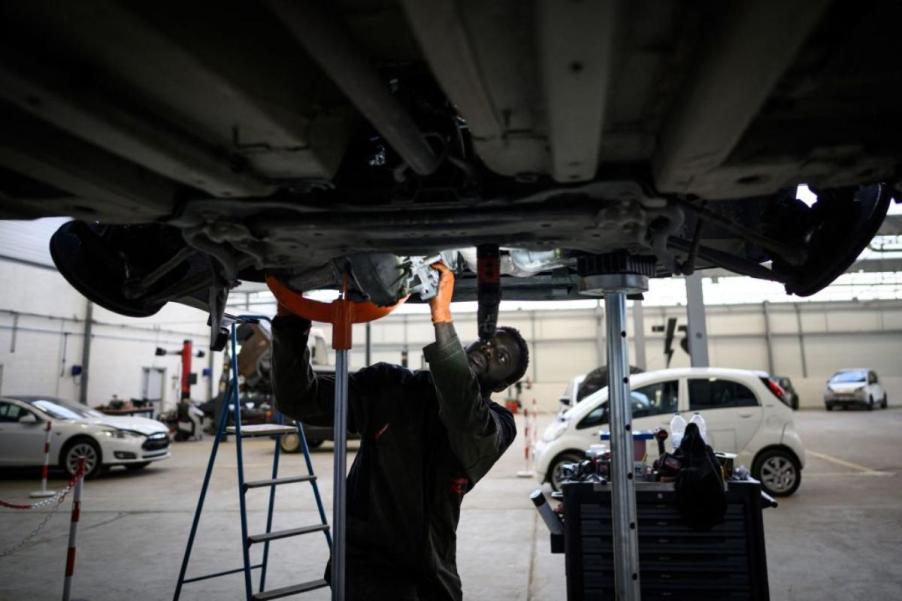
(494, 362)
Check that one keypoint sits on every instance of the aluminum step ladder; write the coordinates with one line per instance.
(244, 486)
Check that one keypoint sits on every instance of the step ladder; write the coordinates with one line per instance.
(244, 486)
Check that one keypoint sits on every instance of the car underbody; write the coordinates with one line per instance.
(201, 144)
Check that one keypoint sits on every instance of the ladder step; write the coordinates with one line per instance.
(285, 591)
(263, 430)
(277, 481)
(260, 538)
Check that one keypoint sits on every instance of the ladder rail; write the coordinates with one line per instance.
(220, 430)
(239, 451)
(272, 503)
(316, 495)
(232, 401)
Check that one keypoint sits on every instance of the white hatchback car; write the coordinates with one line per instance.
(742, 410)
(76, 431)
(854, 387)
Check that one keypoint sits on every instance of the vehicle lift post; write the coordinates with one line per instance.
(342, 313)
(615, 287)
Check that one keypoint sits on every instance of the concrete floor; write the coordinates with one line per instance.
(839, 537)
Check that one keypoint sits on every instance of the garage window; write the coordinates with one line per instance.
(653, 399)
(713, 393)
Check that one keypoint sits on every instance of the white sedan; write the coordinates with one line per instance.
(742, 410)
(76, 431)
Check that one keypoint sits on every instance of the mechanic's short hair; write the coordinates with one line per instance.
(523, 347)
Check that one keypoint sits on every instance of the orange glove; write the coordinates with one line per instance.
(440, 304)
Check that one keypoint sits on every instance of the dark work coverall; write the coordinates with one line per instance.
(426, 439)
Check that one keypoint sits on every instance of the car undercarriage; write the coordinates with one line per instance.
(197, 145)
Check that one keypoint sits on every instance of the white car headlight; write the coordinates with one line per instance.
(113, 433)
(554, 430)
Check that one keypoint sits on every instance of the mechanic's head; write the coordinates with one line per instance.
(501, 361)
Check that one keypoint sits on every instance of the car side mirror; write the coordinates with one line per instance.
(29, 418)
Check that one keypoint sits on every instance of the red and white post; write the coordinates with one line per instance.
(527, 441)
(44, 492)
(73, 528)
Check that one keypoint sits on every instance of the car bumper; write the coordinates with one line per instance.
(122, 451)
(846, 401)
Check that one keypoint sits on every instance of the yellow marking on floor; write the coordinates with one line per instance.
(842, 462)
(848, 474)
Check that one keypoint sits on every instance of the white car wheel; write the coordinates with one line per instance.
(779, 472)
(555, 476)
(77, 449)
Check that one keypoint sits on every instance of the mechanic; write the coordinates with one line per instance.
(427, 437)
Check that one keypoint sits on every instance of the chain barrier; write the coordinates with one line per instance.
(56, 500)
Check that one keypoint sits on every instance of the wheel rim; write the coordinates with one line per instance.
(557, 476)
(778, 474)
(290, 442)
(85, 450)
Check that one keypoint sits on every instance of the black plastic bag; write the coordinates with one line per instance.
(699, 486)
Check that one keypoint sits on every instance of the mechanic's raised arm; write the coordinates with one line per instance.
(476, 433)
(300, 392)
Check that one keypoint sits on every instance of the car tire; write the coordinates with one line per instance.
(828, 406)
(76, 448)
(290, 443)
(553, 475)
(134, 467)
(779, 472)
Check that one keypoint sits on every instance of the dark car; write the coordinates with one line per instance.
(790, 396)
(226, 142)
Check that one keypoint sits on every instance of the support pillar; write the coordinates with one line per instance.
(801, 340)
(639, 335)
(698, 331)
(86, 353)
(600, 346)
(768, 339)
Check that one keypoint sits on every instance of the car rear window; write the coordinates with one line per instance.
(714, 393)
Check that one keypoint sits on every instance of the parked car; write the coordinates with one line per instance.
(790, 396)
(858, 386)
(742, 409)
(77, 431)
(570, 395)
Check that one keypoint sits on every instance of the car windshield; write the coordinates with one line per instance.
(56, 410)
(848, 376)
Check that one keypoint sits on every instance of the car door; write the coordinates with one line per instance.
(731, 410)
(21, 435)
(653, 406)
(875, 391)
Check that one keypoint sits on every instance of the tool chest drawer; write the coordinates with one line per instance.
(675, 562)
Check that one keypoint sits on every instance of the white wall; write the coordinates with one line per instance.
(42, 325)
(566, 343)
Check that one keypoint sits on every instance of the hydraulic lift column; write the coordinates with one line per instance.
(615, 277)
